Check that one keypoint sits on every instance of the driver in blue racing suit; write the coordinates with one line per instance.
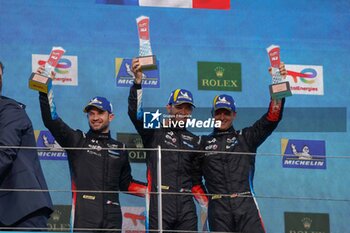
(229, 177)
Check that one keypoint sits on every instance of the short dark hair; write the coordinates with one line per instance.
(2, 67)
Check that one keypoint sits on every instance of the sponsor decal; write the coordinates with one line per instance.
(223, 76)
(231, 142)
(125, 77)
(188, 144)
(96, 149)
(306, 222)
(66, 70)
(133, 140)
(53, 150)
(60, 218)
(303, 153)
(186, 137)
(211, 147)
(305, 79)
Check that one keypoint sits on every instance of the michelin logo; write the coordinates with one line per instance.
(310, 154)
(125, 77)
(52, 151)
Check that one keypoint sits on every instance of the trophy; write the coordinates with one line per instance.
(147, 59)
(43, 82)
(278, 88)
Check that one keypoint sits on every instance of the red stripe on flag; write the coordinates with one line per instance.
(212, 4)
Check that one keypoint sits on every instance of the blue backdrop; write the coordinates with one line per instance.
(309, 32)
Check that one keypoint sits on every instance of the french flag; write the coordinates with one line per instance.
(198, 4)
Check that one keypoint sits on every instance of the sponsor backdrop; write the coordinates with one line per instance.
(208, 47)
(60, 218)
(306, 222)
(303, 153)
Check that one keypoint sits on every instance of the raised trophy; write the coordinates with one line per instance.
(146, 58)
(278, 88)
(43, 82)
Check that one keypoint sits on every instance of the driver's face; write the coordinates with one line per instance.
(99, 120)
(226, 118)
(181, 112)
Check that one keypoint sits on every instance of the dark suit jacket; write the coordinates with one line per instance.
(19, 168)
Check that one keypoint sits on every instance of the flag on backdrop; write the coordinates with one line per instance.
(198, 4)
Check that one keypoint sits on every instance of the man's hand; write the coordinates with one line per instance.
(41, 70)
(136, 69)
(282, 70)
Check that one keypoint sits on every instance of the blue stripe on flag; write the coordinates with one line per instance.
(119, 2)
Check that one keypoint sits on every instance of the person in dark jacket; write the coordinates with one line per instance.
(20, 169)
(229, 177)
(178, 173)
(102, 167)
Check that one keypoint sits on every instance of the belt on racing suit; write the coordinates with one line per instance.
(181, 190)
(233, 195)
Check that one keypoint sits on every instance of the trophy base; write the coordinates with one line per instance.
(280, 90)
(40, 83)
(148, 62)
